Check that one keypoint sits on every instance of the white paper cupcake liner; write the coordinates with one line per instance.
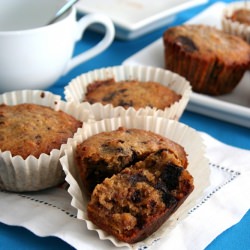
(32, 174)
(178, 132)
(236, 28)
(75, 91)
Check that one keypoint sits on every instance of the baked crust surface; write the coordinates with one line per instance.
(108, 153)
(30, 129)
(212, 60)
(131, 94)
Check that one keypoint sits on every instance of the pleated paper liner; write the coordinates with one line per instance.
(76, 90)
(32, 174)
(189, 138)
(233, 27)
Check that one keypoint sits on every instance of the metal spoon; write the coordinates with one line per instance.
(60, 12)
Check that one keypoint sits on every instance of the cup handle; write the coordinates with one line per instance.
(82, 24)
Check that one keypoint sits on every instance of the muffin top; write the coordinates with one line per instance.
(30, 129)
(209, 42)
(241, 16)
(107, 153)
(114, 145)
(131, 94)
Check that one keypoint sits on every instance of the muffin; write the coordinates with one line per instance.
(241, 16)
(108, 153)
(133, 204)
(130, 90)
(236, 20)
(129, 94)
(213, 61)
(189, 140)
(30, 129)
(35, 127)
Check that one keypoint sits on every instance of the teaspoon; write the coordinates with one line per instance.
(61, 11)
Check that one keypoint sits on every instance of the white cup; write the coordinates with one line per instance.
(34, 55)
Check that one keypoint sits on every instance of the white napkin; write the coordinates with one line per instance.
(225, 202)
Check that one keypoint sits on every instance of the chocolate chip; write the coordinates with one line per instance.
(187, 44)
(170, 176)
(125, 209)
(152, 204)
(160, 185)
(168, 199)
(136, 197)
(138, 178)
(109, 97)
(134, 157)
(140, 221)
(38, 139)
(119, 150)
(123, 90)
(125, 103)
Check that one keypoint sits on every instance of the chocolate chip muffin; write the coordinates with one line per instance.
(107, 153)
(134, 203)
(134, 94)
(236, 20)
(130, 90)
(31, 129)
(212, 60)
(241, 16)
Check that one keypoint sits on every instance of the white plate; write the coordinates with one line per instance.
(133, 18)
(233, 107)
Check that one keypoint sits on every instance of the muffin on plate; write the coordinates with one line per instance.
(212, 60)
(35, 127)
(133, 90)
(236, 19)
